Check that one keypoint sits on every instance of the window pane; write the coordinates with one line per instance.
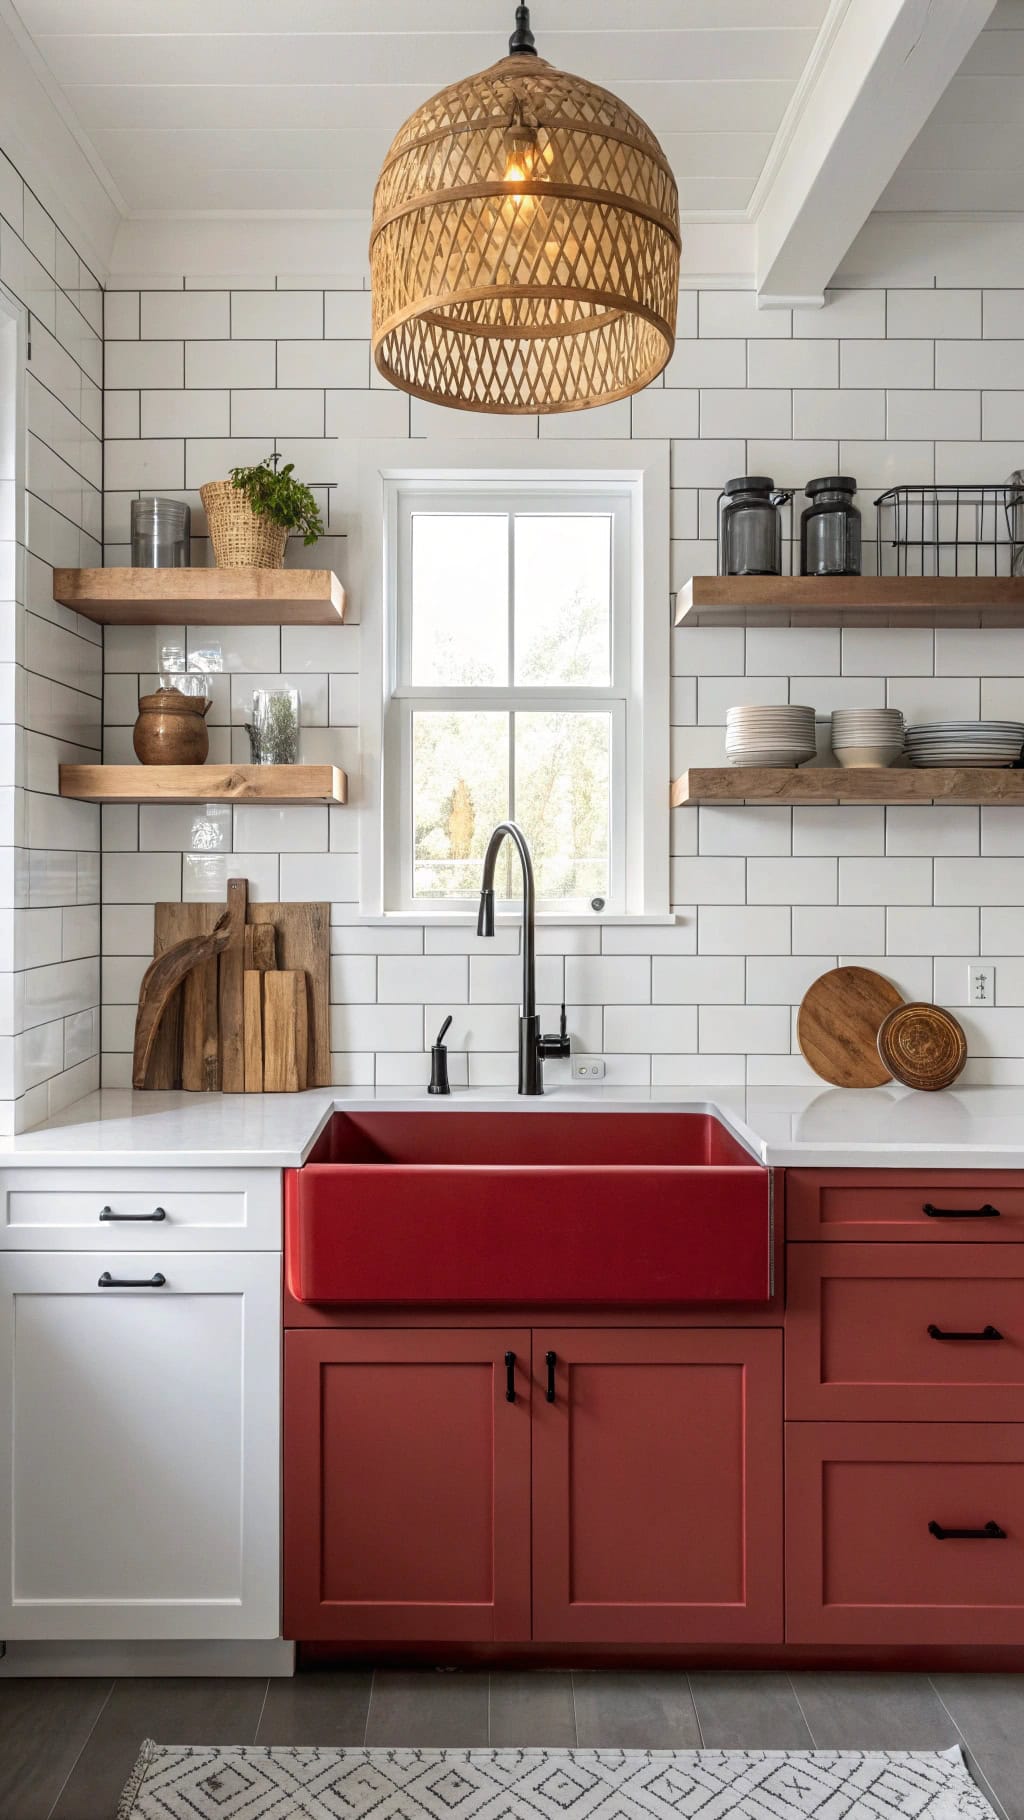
(563, 800)
(563, 599)
(459, 599)
(460, 791)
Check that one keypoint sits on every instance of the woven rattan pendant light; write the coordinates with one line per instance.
(524, 254)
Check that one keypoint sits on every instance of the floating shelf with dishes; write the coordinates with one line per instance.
(909, 600)
(833, 784)
(272, 784)
(203, 597)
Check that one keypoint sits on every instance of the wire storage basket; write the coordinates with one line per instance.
(951, 530)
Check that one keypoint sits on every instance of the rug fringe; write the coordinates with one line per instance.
(135, 1780)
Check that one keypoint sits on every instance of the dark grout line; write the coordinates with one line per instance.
(86, 1741)
(696, 1714)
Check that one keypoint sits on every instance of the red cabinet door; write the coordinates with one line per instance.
(888, 1536)
(657, 1486)
(407, 1486)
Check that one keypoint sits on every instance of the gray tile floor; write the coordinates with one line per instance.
(66, 1747)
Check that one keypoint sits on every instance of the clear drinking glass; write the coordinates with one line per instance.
(274, 728)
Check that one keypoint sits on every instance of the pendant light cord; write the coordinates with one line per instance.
(521, 43)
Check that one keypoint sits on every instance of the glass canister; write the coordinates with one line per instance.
(830, 527)
(750, 526)
(161, 531)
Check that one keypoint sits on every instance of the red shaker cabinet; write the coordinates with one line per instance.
(407, 1485)
(905, 1333)
(904, 1533)
(657, 1486)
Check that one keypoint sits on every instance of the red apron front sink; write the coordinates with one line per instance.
(558, 1208)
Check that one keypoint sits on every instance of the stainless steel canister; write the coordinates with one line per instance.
(161, 533)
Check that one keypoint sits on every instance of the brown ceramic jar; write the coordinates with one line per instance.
(171, 729)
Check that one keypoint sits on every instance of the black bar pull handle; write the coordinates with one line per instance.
(988, 1212)
(550, 1360)
(990, 1533)
(156, 1281)
(951, 1333)
(510, 1377)
(108, 1214)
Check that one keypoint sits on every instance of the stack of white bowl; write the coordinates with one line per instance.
(867, 736)
(782, 736)
(966, 742)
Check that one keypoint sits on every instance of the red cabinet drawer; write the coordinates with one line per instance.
(890, 1204)
(862, 1564)
(858, 1339)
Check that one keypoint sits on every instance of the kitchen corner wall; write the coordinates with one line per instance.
(51, 674)
(888, 382)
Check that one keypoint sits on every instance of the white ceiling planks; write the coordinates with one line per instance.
(970, 154)
(210, 106)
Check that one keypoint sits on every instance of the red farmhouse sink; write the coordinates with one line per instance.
(566, 1208)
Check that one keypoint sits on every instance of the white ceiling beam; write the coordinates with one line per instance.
(886, 66)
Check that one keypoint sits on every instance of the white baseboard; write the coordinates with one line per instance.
(274, 1657)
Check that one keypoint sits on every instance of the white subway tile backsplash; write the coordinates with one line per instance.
(934, 414)
(791, 881)
(727, 1028)
(885, 881)
(780, 392)
(278, 315)
(793, 651)
(608, 979)
(417, 978)
(636, 1029)
(931, 931)
(184, 315)
(685, 979)
(229, 363)
(840, 413)
(760, 929)
(737, 412)
(735, 313)
(931, 828)
(839, 928)
(744, 829)
(793, 363)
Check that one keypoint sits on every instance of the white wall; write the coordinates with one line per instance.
(896, 379)
(51, 673)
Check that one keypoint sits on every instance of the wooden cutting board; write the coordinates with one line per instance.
(923, 1045)
(838, 1022)
(303, 945)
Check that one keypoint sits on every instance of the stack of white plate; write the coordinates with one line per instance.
(782, 736)
(867, 736)
(966, 742)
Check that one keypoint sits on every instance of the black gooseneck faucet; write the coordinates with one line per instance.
(532, 1045)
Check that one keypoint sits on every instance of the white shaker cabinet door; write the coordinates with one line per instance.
(140, 1445)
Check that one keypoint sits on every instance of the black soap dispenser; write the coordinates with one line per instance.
(439, 1062)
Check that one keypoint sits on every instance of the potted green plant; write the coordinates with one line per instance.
(251, 514)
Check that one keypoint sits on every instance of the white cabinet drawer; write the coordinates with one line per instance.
(140, 1210)
(139, 1449)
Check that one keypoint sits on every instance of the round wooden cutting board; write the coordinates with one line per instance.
(923, 1045)
(838, 1022)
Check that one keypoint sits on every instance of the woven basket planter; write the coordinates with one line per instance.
(242, 538)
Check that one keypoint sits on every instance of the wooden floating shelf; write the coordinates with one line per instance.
(832, 784)
(909, 600)
(281, 784)
(203, 597)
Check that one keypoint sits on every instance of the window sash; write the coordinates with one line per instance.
(399, 853)
(506, 498)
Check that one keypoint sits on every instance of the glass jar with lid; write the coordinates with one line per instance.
(750, 526)
(830, 535)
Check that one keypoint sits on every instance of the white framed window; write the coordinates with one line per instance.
(514, 664)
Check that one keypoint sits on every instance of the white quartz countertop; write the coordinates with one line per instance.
(830, 1128)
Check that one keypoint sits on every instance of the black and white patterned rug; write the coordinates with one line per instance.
(249, 1782)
